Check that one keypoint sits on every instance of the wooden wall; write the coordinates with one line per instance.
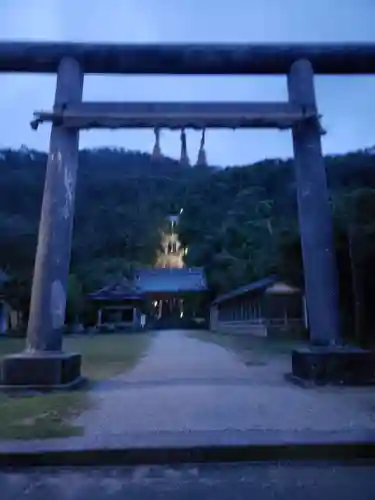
(259, 314)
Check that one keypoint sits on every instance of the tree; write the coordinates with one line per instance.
(17, 293)
(75, 300)
(354, 215)
(99, 273)
(239, 223)
(249, 228)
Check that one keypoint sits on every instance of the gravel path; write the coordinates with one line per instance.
(185, 384)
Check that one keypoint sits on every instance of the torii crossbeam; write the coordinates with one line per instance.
(189, 58)
(175, 115)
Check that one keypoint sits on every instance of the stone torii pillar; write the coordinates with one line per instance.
(325, 360)
(315, 219)
(43, 363)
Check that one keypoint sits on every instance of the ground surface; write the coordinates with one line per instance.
(178, 381)
(51, 415)
(191, 384)
(206, 482)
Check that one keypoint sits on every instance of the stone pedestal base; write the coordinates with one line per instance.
(42, 370)
(336, 365)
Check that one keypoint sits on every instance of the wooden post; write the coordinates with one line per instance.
(48, 297)
(315, 219)
(3, 317)
(99, 320)
(305, 317)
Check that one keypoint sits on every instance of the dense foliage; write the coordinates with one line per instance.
(240, 223)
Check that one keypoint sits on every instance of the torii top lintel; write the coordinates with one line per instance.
(188, 59)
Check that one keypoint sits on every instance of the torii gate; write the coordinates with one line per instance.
(43, 363)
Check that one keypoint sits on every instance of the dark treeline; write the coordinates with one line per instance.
(240, 223)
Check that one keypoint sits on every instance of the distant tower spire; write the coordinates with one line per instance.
(171, 255)
(202, 157)
(156, 153)
(184, 159)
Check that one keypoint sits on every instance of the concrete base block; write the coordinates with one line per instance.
(335, 365)
(40, 371)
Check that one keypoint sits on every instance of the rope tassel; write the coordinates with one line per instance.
(156, 153)
(202, 157)
(184, 159)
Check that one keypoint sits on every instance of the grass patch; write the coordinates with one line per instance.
(108, 355)
(50, 415)
(251, 350)
(41, 416)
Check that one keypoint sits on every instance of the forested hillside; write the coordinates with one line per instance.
(239, 223)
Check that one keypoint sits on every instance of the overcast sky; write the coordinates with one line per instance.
(347, 103)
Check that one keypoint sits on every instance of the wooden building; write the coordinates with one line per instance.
(265, 308)
(170, 290)
(162, 295)
(119, 306)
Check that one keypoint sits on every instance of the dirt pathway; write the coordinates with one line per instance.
(185, 384)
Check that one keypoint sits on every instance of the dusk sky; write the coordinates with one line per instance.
(347, 103)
